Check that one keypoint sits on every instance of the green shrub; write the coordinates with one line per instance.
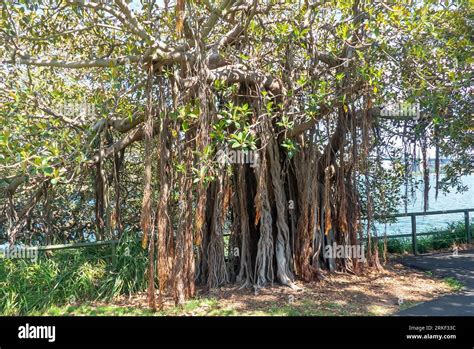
(129, 273)
(70, 276)
(440, 239)
(66, 276)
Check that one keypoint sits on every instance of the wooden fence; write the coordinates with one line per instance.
(413, 234)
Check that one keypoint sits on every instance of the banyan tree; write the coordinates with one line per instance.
(236, 138)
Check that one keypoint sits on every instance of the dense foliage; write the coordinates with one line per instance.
(114, 116)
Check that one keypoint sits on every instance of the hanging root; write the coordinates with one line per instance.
(264, 260)
(282, 243)
(217, 272)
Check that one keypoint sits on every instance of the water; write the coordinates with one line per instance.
(449, 201)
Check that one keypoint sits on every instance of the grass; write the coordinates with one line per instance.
(305, 308)
(197, 307)
(406, 305)
(83, 282)
(454, 284)
(68, 276)
(26, 287)
(440, 239)
(212, 307)
(89, 310)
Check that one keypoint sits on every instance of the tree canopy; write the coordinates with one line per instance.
(114, 116)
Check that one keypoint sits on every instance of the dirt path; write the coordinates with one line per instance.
(372, 293)
(445, 265)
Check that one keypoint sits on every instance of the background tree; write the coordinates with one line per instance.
(301, 84)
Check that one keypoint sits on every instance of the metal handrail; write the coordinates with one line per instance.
(413, 216)
(413, 234)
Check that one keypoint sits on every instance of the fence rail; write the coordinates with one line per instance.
(413, 216)
(413, 234)
(77, 245)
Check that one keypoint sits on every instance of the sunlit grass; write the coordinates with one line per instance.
(440, 239)
(454, 284)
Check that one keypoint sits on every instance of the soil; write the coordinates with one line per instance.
(372, 293)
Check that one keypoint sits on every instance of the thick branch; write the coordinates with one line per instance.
(239, 74)
(12, 183)
(75, 65)
(135, 135)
